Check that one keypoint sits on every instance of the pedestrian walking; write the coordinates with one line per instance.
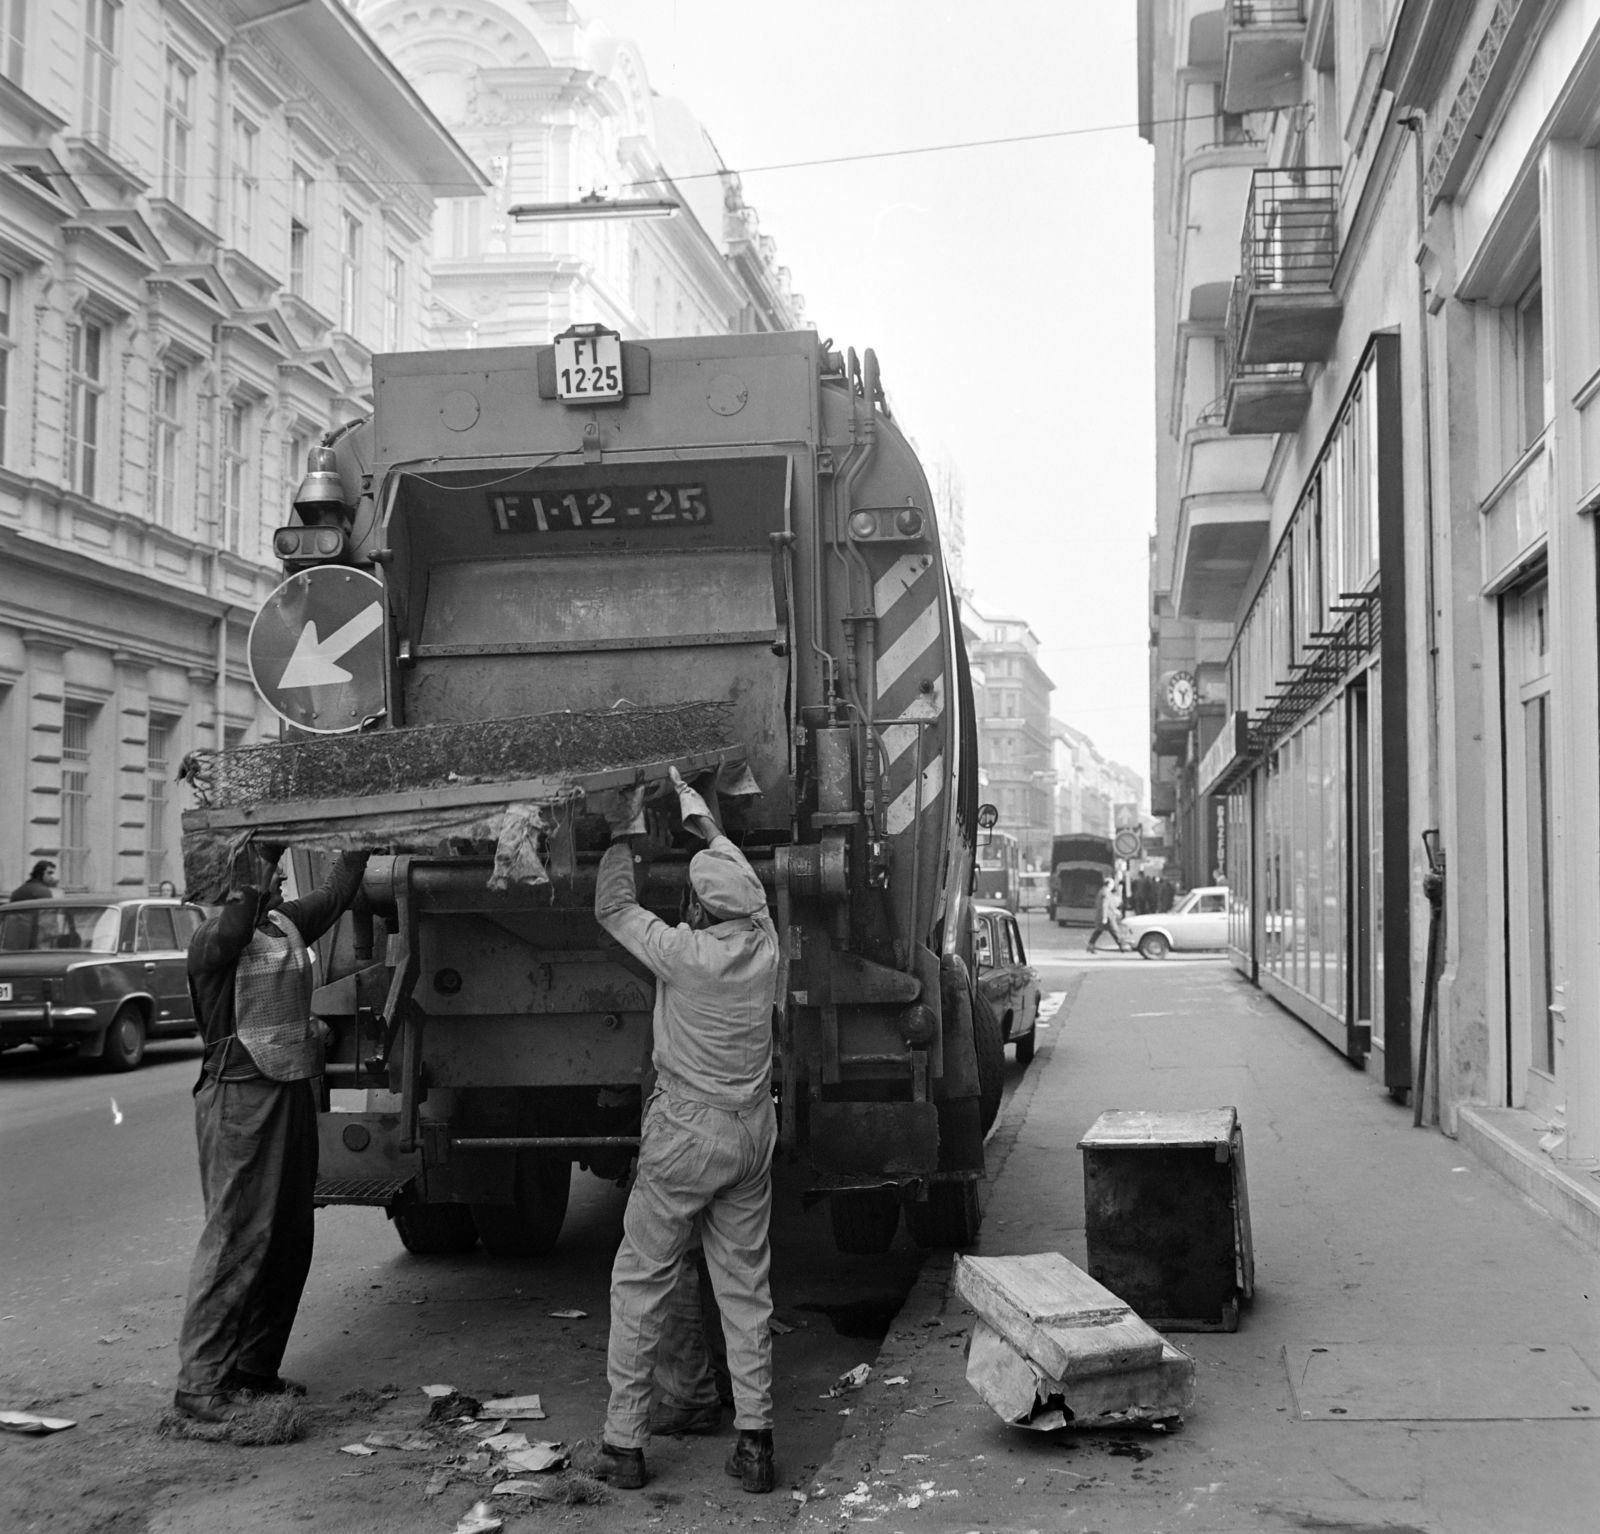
(39, 885)
(1107, 916)
(707, 1137)
(255, 1111)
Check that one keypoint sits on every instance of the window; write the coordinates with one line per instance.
(166, 442)
(155, 934)
(158, 750)
(1521, 376)
(7, 342)
(177, 127)
(295, 447)
(300, 192)
(394, 299)
(76, 719)
(13, 34)
(349, 270)
(235, 435)
(99, 68)
(86, 345)
(246, 174)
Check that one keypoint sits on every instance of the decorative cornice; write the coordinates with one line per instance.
(1468, 95)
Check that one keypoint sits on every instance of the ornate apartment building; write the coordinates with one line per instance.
(554, 108)
(211, 215)
(1014, 749)
(1375, 576)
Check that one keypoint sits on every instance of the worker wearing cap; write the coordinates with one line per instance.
(707, 1138)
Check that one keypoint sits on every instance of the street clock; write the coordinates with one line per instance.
(1179, 694)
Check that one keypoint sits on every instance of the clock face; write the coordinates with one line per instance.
(1181, 693)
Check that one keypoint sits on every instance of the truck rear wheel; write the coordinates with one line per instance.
(990, 1043)
(951, 1216)
(864, 1220)
(435, 1230)
(529, 1227)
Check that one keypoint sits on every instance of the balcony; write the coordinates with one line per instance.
(1263, 397)
(1287, 309)
(1262, 55)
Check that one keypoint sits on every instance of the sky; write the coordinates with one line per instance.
(1006, 290)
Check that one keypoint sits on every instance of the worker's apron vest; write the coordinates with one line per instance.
(272, 1003)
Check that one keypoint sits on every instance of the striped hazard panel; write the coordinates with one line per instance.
(908, 598)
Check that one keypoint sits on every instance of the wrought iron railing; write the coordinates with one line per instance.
(1233, 369)
(1291, 228)
(1267, 13)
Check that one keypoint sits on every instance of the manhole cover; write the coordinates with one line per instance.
(1391, 1382)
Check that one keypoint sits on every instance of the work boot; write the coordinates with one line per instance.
(751, 1461)
(264, 1384)
(623, 1468)
(216, 1407)
(670, 1417)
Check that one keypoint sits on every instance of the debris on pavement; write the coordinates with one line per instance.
(503, 1443)
(539, 1456)
(438, 1392)
(478, 1520)
(1052, 1348)
(851, 1379)
(542, 1491)
(450, 1408)
(260, 1421)
(437, 1482)
(28, 1422)
(569, 1315)
(358, 1449)
(897, 1379)
(523, 1407)
(780, 1327)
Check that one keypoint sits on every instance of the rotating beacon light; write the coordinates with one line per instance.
(323, 538)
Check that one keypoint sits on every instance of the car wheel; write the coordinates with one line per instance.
(991, 1049)
(124, 1042)
(529, 1227)
(435, 1230)
(1153, 945)
(1025, 1048)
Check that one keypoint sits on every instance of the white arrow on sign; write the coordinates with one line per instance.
(315, 661)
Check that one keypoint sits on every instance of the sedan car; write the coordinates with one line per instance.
(1198, 921)
(99, 974)
(1005, 978)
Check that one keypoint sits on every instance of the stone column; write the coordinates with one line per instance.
(46, 695)
(132, 704)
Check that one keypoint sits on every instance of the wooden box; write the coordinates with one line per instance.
(1167, 1215)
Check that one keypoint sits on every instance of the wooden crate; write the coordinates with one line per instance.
(1167, 1215)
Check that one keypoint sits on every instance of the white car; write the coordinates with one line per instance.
(1198, 921)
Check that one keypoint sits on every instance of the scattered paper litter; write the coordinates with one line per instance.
(28, 1422)
(436, 1483)
(851, 1379)
(915, 1459)
(484, 1427)
(897, 1379)
(539, 1456)
(514, 1406)
(569, 1315)
(504, 1443)
(780, 1327)
(438, 1392)
(478, 1520)
(386, 1438)
(360, 1450)
(540, 1490)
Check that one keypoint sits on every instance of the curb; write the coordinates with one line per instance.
(875, 1406)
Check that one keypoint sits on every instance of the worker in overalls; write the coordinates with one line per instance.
(255, 1111)
(705, 1154)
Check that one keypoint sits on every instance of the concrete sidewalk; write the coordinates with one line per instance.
(1366, 1231)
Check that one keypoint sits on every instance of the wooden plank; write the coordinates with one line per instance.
(1055, 1314)
(1136, 1127)
(1019, 1392)
(451, 796)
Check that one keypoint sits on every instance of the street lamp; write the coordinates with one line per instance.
(594, 206)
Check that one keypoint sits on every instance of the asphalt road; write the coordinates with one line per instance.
(99, 1213)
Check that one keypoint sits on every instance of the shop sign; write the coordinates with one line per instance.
(1231, 747)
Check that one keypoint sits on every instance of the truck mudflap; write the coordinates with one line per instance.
(890, 1140)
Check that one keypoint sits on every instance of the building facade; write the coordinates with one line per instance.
(554, 108)
(1014, 744)
(1089, 789)
(1403, 338)
(210, 217)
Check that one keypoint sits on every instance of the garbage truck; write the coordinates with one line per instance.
(616, 557)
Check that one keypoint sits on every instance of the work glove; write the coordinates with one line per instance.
(690, 803)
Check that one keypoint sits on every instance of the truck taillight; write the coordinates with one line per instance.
(889, 524)
(309, 545)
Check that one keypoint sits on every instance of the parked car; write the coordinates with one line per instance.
(1198, 921)
(1005, 978)
(99, 974)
